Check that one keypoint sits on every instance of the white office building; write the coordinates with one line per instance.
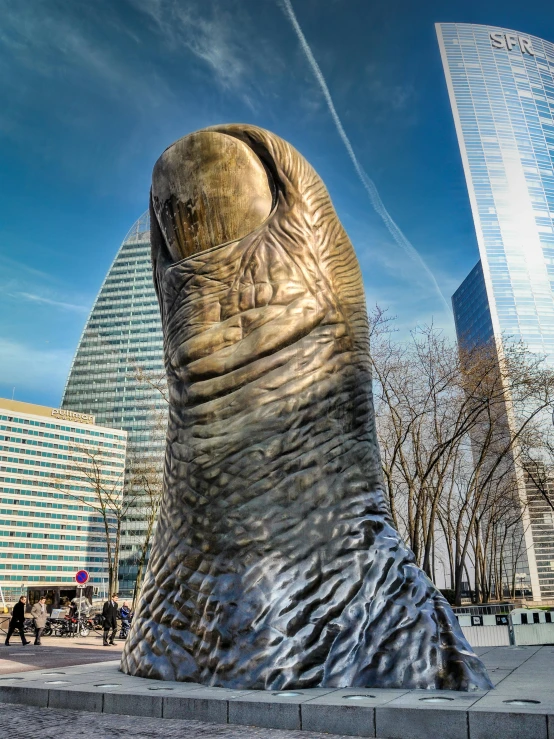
(47, 530)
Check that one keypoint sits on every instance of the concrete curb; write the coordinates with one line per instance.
(387, 714)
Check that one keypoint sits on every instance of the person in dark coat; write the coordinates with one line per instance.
(17, 621)
(109, 614)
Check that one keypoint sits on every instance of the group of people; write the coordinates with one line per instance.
(39, 614)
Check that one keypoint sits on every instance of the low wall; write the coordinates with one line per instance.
(499, 636)
(529, 634)
(487, 636)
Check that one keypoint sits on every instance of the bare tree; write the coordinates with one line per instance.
(450, 425)
(537, 461)
(150, 479)
(155, 380)
(92, 467)
(145, 479)
(144, 467)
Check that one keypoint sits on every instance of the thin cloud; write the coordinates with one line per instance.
(17, 267)
(56, 303)
(50, 41)
(366, 181)
(211, 40)
(220, 34)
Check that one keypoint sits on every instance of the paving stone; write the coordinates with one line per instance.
(28, 696)
(79, 700)
(479, 651)
(508, 657)
(524, 689)
(358, 696)
(503, 725)
(354, 720)
(74, 683)
(279, 709)
(133, 705)
(421, 723)
(437, 699)
(24, 721)
(160, 688)
(55, 651)
(266, 713)
(542, 700)
(197, 708)
(347, 710)
(498, 675)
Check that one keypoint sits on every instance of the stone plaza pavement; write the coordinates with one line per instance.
(521, 706)
(55, 651)
(21, 722)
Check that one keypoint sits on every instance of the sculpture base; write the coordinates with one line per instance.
(521, 673)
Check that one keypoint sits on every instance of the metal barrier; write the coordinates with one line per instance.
(522, 626)
(490, 610)
(487, 636)
(534, 634)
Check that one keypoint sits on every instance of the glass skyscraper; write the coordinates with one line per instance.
(501, 88)
(472, 315)
(122, 344)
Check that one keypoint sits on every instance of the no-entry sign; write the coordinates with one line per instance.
(81, 577)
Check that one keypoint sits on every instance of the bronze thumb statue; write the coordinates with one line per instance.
(275, 563)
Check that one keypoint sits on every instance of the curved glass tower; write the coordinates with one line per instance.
(501, 88)
(121, 346)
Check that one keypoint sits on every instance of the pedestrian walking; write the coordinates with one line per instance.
(39, 614)
(109, 614)
(17, 621)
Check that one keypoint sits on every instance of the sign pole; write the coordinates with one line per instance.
(81, 578)
(79, 593)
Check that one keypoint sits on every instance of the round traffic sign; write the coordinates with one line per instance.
(81, 577)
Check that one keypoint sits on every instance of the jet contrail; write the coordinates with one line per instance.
(366, 181)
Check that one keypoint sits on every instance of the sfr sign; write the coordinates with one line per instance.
(510, 41)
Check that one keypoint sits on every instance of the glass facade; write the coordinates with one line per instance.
(501, 88)
(121, 347)
(47, 531)
(472, 315)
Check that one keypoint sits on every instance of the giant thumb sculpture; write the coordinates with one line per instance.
(275, 562)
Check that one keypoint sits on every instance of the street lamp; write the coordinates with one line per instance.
(521, 576)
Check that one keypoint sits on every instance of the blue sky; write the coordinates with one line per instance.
(94, 91)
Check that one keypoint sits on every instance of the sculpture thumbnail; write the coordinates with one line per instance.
(275, 563)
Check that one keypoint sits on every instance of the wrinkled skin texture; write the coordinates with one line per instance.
(275, 563)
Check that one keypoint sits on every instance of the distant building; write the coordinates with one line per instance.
(472, 315)
(122, 338)
(501, 88)
(46, 532)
